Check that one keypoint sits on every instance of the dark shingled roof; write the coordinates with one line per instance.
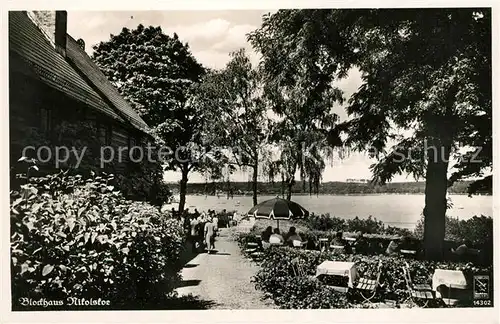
(94, 75)
(77, 76)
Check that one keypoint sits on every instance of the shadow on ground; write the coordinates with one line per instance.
(188, 283)
(216, 252)
(221, 253)
(189, 302)
(187, 254)
(191, 265)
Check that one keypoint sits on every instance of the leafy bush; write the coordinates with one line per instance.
(144, 182)
(477, 230)
(369, 225)
(326, 222)
(72, 237)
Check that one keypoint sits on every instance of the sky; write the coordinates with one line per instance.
(211, 36)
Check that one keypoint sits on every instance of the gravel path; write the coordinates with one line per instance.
(223, 278)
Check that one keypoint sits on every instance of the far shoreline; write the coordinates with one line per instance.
(332, 194)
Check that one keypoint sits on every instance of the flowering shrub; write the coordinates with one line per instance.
(72, 237)
(276, 278)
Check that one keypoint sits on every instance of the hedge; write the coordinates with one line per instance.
(79, 238)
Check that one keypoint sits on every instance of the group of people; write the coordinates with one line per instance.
(274, 236)
(201, 229)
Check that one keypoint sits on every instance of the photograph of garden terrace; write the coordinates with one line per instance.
(284, 159)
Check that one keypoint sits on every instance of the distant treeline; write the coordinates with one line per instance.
(329, 188)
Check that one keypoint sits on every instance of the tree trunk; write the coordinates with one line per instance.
(254, 182)
(183, 188)
(282, 185)
(435, 200)
(289, 190)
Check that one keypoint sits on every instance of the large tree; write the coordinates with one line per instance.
(241, 119)
(427, 71)
(300, 92)
(156, 73)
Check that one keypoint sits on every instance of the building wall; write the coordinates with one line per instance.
(38, 113)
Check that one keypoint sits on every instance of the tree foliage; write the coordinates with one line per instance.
(300, 93)
(427, 71)
(240, 120)
(422, 69)
(157, 73)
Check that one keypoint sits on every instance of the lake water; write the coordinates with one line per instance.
(399, 210)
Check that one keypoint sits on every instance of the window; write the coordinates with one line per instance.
(45, 120)
(134, 152)
(131, 142)
(105, 133)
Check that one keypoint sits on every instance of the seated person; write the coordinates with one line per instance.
(276, 237)
(267, 234)
(392, 248)
(461, 249)
(409, 244)
(339, 241)
(292, 236)
(464, 251)
(362, 245)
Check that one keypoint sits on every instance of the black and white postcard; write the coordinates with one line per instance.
(167, 159)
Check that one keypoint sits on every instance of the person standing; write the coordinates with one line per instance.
(200, 229)
(194, 233)
(209, 235)
(215, 220)
(236, 216)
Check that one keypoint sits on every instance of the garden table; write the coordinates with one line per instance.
(409, 253)
(339, 269)
(323, 244)
(455, 283)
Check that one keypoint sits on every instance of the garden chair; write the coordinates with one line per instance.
(298, 269)
(254, 250)
(323, 244)
(257, 256)
(368, 287)
(420, 294)
(265, 245)
(337, 248)
(251, 247)
(299, 244)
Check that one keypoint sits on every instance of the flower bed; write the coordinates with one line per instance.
(277, 279)
(80, 238)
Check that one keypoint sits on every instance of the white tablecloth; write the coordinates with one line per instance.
(339, 268)
(450, 278)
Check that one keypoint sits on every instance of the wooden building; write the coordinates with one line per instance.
(53, 81)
